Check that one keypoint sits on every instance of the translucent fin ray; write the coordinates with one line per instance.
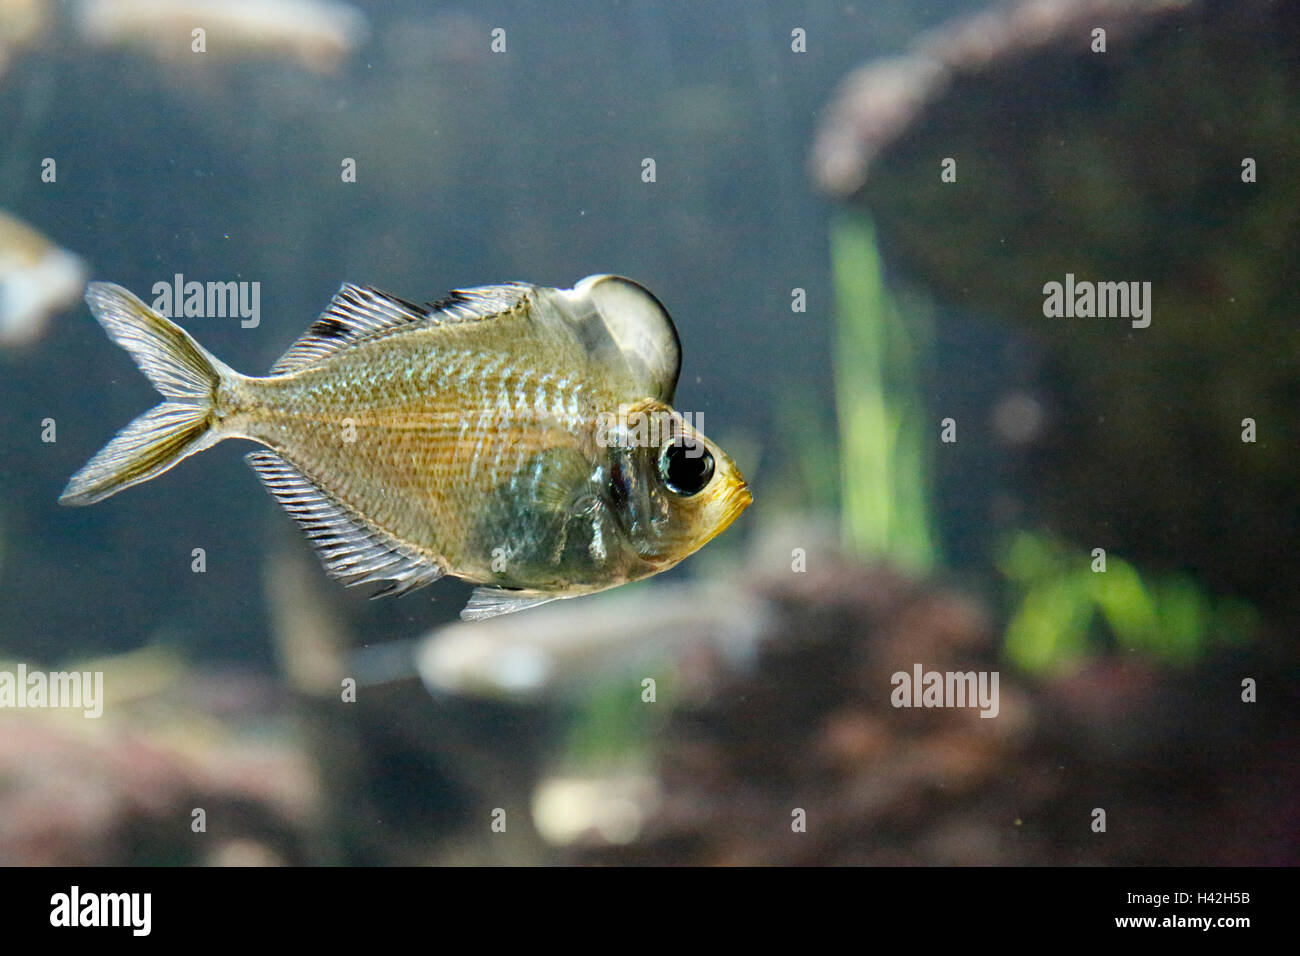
(352, 549)
(357, 313)
(493, 602)
(176, 364)
(180, 369)
(144, 449)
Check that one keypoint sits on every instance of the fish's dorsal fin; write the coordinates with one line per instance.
(493, 602)
(481, 302)
(622, 325)
(357, 313)
(351, 548)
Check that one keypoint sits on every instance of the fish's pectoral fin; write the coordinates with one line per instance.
(493, 602)
(352, 549)
(559, 495)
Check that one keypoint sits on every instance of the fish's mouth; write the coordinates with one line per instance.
(738, 498)
(727, 505)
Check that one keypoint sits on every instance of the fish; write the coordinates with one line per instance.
(495, 436)
(568, 650)
(317, 35)
(37, 281)
(23, 24)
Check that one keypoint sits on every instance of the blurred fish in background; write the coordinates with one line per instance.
(318, 35)
(22, 24)
(38, 280)
(567, 647)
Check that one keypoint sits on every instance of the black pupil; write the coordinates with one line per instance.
(686, 467)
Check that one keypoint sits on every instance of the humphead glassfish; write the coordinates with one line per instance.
(469, 437)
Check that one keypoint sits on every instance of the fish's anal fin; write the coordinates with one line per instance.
(351, 548)
(493, 602)
(357, 313)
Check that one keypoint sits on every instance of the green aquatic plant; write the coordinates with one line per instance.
(603, 730)
(884, 467)
(1066, 607)
(811, 478)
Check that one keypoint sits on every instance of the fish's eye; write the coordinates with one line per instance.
(685, 466)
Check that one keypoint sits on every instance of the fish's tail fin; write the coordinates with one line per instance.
(180, 369)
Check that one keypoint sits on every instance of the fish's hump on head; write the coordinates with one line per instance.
(622, 324)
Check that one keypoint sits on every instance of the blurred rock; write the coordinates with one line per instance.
(1122, 166)
(811, 726)
(120, 790)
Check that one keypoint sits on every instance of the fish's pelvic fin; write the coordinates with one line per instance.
(180, 369)
(493, 602)
(352, 549)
